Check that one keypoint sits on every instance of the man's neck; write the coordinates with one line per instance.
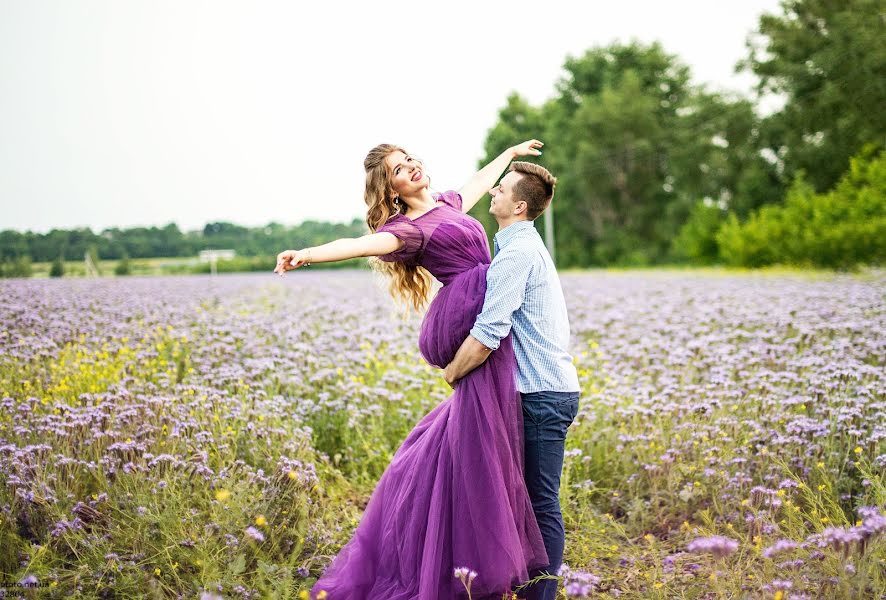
(507, 223)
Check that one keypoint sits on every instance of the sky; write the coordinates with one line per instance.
(124, 113)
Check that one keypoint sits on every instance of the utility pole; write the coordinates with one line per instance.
(549, 233)
(91, 269)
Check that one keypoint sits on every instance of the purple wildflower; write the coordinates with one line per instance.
(577, 584)
(717, 545)
(779, 547)
(255, 534)
(782, 584)
(791, 565)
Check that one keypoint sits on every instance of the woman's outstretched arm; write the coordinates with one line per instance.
(485, 179)
(373, 244)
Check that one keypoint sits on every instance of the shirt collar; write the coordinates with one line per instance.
(504, 236)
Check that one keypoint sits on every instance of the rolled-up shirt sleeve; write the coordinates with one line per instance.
(506, 282)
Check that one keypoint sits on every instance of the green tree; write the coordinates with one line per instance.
(634, 147)
(828, 59)
(12, 244)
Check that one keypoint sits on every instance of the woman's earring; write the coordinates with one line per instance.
(397, 203)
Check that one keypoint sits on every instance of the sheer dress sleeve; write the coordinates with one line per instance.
(412, 238)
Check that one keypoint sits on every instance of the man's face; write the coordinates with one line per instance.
(503, 203)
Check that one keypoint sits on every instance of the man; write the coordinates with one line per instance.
(523, 294)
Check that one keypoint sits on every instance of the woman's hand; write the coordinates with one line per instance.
(290, 259)
(478, 186)
(529, 148)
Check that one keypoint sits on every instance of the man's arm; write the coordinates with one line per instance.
(505, 290)
(471, 354)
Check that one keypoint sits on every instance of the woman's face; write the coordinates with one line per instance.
(406, 172)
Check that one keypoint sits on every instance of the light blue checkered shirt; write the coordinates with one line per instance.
(523, 293)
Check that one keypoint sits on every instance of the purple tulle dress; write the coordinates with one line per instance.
(454, 494)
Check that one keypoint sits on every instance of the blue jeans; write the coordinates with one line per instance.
(546, 417)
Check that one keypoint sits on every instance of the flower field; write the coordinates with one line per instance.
(183, 436)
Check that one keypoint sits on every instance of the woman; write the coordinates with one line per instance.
(454, 494)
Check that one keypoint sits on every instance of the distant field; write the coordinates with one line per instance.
(139, 266)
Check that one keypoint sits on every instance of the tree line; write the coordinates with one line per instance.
(169, 241)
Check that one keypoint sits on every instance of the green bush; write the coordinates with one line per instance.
(123, 267)
(58, 267)
(17, 267)
(697, 239)
(840, 229)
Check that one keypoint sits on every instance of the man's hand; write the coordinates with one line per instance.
(447, 375)
(471, 354)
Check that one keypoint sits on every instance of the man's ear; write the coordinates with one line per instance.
(521, 207)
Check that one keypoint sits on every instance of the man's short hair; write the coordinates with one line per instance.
(535, 187)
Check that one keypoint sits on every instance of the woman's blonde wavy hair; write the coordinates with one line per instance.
(410, 284)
